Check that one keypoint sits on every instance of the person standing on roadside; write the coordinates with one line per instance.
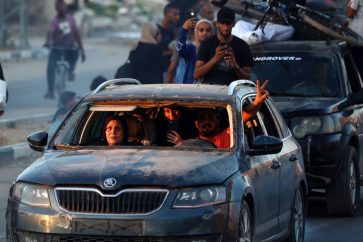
(167, 31)
(223, 58)
(355, 23)
(63, 37)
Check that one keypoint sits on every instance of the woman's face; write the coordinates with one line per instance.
(204, 31)
(114, 132)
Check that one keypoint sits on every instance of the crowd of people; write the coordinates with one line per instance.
(193, 43)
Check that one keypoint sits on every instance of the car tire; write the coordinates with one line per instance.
(245, 229)
(298, 216)
(343, 195)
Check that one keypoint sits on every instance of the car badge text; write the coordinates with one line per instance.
(110, 182)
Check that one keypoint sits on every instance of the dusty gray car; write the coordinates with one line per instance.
(81, 189)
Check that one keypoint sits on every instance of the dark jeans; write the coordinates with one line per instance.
(70, 55)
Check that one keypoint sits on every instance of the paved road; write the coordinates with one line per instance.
(27, 79)
(319, 228)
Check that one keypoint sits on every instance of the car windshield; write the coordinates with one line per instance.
(144, 124)
(297, 74)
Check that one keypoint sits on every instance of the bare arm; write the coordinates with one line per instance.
(80, 45)
(253, 108)
(350, 12)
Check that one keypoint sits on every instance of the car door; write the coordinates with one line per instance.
(288, 158)
(264, 179)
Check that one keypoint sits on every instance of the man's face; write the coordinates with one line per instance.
(60, 8)
(207, 123)
(114, 132)
(172, 15)
(207, 11)
(225, 27)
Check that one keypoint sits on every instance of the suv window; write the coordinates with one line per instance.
(297, 74)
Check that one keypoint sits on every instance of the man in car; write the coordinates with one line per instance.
(207, 122)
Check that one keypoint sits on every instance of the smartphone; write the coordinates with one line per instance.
(192, 15)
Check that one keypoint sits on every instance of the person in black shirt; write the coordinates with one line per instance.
(168, 32)
(223, 58)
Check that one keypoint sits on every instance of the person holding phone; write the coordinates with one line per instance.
(223, 58)
(203, 29)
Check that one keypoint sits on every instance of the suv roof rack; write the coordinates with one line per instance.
(116, 82)
(237, 83)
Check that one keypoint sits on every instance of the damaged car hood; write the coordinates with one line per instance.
(132, 167)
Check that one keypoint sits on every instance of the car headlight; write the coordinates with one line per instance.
(32, 195)
(302, 126)
(199, 197)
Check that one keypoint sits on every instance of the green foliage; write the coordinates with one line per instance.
(109, 11)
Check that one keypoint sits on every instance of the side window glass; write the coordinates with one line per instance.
(280, 122)
(263, 123)
(352, 73)
(69, 131)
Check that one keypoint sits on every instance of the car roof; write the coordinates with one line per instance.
(179, 92)
(299, 46)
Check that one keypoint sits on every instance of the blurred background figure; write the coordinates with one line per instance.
(63, 38)
(206, 10)
(144, 62)
(98, 80)
(355, 23)
(167, 29)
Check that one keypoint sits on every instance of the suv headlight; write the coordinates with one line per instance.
(302, 126)
(199, 197)
(33, 195)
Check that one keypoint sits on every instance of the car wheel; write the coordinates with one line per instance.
(245, 230)
(343, 195)
(298, 215)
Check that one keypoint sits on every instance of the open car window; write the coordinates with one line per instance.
(143, 125)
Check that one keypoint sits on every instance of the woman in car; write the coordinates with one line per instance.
(115, 130)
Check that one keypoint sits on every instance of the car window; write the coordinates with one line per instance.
(297, 74)
(263, 123)
(352, 73)
(148, 125)
(279, 120)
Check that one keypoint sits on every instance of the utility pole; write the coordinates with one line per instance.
(24, 22)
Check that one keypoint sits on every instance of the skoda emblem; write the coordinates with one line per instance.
(110, 182)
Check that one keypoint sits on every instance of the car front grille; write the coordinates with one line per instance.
(40, 237)
(129, 201)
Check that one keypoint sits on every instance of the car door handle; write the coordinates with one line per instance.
(275, 164)
(293, 158)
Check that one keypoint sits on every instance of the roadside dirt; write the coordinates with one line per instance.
(15, 133)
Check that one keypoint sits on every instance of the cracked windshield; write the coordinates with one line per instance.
(181, 120)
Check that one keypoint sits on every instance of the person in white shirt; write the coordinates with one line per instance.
(355, 23)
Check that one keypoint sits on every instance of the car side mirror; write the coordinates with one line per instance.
(38, 140)
(264, 145)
